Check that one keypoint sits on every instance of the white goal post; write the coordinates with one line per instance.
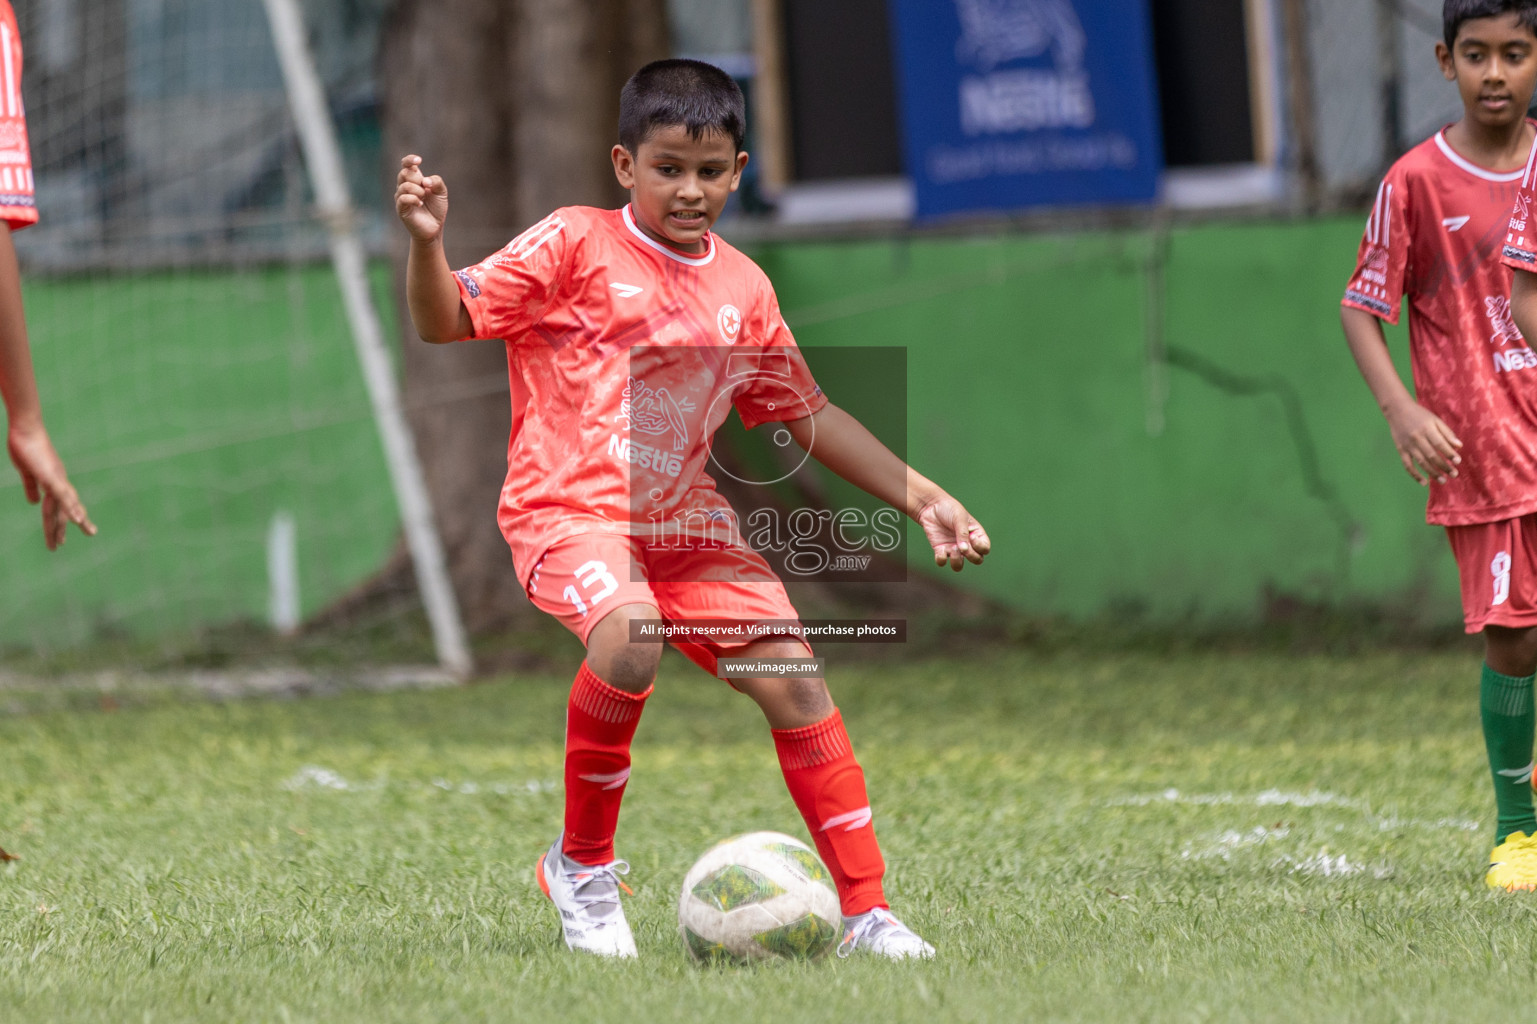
(322, 157)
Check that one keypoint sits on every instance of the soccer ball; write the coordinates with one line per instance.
(756, 897)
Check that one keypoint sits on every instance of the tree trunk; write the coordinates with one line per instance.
(515, 104)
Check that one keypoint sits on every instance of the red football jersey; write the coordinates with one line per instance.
(17, 207)
(625, 355)
(1434, 234)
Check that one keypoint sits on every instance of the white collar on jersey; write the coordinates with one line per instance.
(1472, 168)
(692, 261)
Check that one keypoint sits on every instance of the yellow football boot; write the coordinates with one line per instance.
(1513, 864)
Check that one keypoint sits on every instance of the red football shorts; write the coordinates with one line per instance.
(1498, 566)
(582, 578)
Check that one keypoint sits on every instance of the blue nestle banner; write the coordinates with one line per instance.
(1016, 103)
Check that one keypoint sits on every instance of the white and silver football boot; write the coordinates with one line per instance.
(880, 932)
(587, 897)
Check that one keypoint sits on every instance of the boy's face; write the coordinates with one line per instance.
(679, 185)
(1494, 63)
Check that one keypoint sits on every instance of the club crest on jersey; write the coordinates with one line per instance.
(1522, 212)
(729, 321)
(655, 412)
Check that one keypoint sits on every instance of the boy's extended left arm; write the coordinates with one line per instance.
(842, 444)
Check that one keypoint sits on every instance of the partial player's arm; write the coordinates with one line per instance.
(842, 444)
(31, 450)
(1523, 301)
(1425, 444)
(421, 202)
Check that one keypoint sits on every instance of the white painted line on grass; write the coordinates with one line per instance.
(1320, 864)
(1327, 866)
(1267, 798)
(1232, 840)
(313, 776)
(1283, 798)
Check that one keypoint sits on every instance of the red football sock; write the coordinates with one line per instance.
(828, 787)
(600, 722)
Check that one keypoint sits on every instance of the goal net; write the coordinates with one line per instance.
(193, 358)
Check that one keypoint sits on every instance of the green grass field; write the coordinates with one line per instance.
(1117, 837)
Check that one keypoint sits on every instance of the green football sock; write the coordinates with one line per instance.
(1507, 710)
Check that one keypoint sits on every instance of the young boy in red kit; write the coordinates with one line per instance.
(1469, 433)
(614, 322)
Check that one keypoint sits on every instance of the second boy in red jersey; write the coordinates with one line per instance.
(1469, 432)
(621, 328)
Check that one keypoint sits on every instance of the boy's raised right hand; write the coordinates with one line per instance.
(1425, 443)
(421, 201)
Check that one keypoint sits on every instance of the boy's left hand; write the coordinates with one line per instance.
(956, 537)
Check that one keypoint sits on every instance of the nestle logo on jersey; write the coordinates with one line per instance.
(644, 456)
(1514, 359)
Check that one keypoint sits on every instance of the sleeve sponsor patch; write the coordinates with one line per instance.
(1366, 301)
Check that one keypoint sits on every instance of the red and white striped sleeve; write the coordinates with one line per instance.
(1382, 261)
(509, 291)
(1520, 250)
(17, 205)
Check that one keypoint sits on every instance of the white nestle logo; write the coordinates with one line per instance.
(1025, 100)
(644, 456)
(1510, 359)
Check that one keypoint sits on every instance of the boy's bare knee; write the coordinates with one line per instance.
(809, 697)
(787, 703)
(633, 667)
(616, 659)
(1511, 651)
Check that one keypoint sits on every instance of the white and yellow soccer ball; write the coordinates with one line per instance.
(757, 897)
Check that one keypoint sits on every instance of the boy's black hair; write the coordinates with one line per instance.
(681, 93)
(1455, 12)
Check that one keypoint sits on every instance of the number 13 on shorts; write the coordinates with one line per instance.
(590, 575)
